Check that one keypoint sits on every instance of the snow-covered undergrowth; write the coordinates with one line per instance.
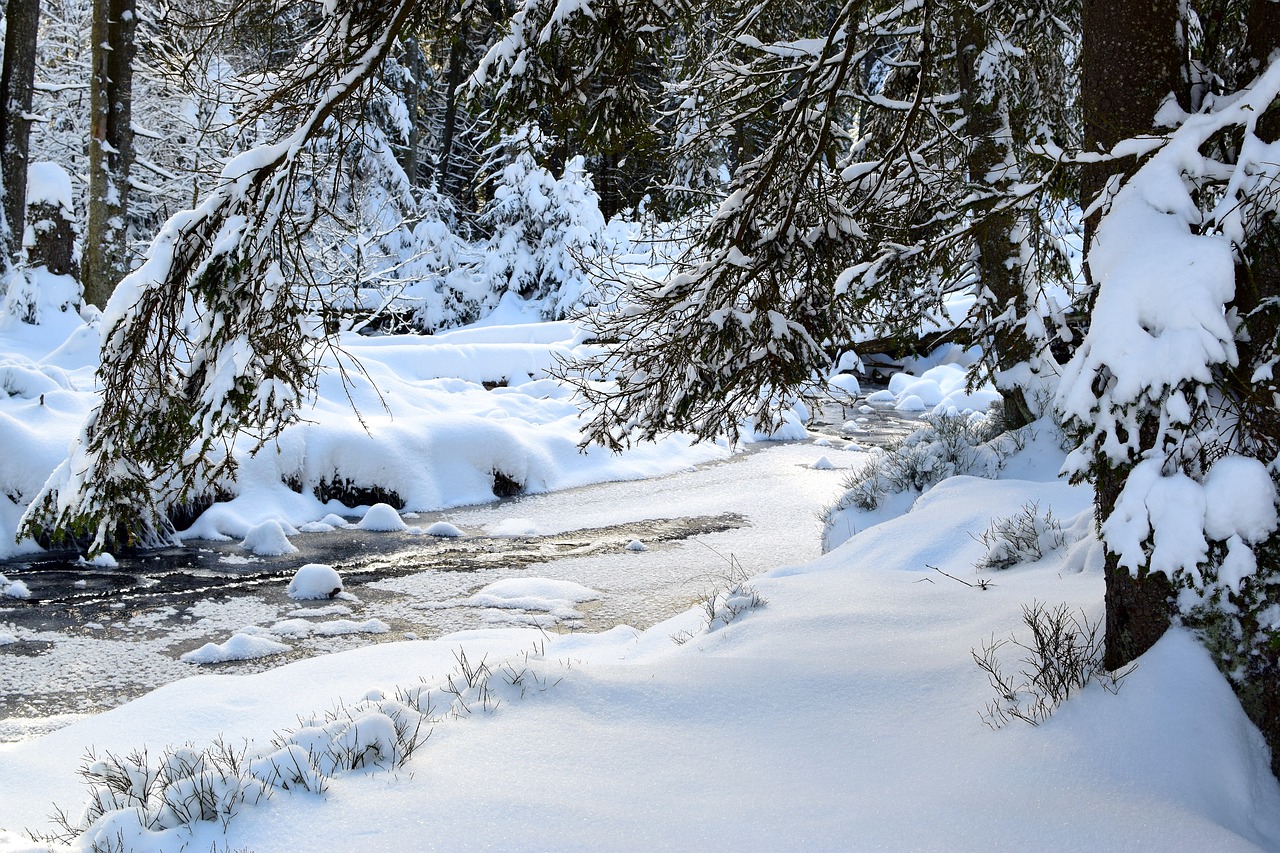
(138, 801)
(846, 713)
(946, 446)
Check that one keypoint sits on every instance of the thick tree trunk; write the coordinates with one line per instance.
(17, 79)
(1131, 62)
(105, 256)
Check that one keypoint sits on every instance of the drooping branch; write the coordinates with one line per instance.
(210, 338)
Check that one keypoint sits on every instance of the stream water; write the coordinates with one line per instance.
(90, 638)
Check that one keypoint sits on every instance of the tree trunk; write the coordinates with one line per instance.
(1131, 62)
(106, 259)
(412, 97)
(989, 159)
(1257, 283)
(17, 79)
(458, 51)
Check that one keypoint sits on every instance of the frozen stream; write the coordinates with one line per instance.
(91, 640)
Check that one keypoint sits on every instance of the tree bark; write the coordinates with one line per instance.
(17, 81)
(105, 256)
(988, 159)
(1131, 62)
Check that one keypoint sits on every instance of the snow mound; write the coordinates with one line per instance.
(940, 390)
(316, 527)
(382, 518)
(336, 521)
(443, 529)
(846, 383)
(268, 539)
(911, 403)
(314, 581)
(543, 595)
(7, 639)
(13, 589)
(823, 464)
(637, 545)
(239, 647)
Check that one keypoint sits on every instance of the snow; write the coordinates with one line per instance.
(268, 539)
(48, 183)
(443, 529)
(382, 518)
(637, 545)
(239, 647)
(842, 713)
(313, 581)
(13, 589)
(299, 628)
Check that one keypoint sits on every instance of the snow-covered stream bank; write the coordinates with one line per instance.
(69, 658)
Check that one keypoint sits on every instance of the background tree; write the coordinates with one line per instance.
(106, 248)
(17, 79)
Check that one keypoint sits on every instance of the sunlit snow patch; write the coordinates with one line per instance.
(382, 518)
(7, 639)
(239, 647)
(443, 529)
(268, 539)
(300, 628)
(823, 464)
(313, 581)
(513, 527)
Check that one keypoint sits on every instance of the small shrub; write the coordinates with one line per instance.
(1023, 537)
(1063, 655)
(729, 597)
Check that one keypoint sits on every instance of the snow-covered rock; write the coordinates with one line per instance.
(314, 581)
(443, 529)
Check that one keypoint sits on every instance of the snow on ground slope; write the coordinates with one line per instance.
(842, 714)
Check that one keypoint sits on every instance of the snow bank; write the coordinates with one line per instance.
(429, 430)
(890, 752)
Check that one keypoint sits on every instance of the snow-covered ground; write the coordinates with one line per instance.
(841, 713)
(802, 702)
